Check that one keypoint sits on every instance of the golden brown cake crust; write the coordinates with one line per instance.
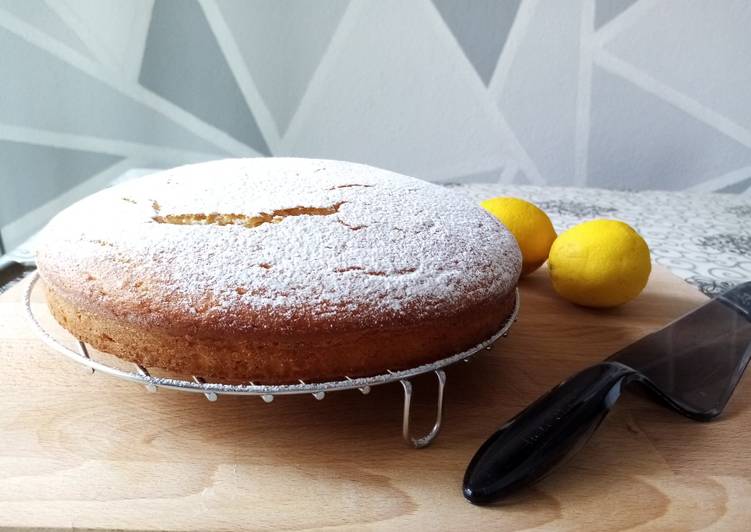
(273, 359)
(275, 270)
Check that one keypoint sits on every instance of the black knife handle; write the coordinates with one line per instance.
(550, 429)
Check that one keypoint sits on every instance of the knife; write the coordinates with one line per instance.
(692, 366)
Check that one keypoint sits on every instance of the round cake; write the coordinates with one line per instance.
(279, 270)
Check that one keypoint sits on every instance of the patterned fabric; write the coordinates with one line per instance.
(703, 238)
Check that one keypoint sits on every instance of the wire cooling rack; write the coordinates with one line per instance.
(267, 392)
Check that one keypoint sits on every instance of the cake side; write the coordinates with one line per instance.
(270, 358)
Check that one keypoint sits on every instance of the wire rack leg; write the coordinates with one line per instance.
(85, 353)
(418, 443)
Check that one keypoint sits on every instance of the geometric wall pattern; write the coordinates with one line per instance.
(631, 94)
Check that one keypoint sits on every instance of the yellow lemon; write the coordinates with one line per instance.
(529, 224)
(601, 263)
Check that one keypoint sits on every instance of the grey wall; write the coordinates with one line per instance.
(606, 93)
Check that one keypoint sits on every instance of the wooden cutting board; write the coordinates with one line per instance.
(92, 452)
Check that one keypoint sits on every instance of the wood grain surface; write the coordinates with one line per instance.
(82, 451)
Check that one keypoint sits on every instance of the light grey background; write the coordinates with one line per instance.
(625, 94)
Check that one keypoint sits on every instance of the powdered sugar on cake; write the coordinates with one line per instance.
(299, 239)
